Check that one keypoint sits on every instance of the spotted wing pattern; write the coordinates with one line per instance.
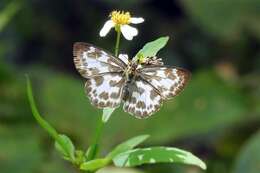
(168, 81)
(92, 61)
(104, 74)
(141, 99)
(106, 90)
(106, 84)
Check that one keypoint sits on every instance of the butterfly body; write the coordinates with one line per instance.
(141, 86)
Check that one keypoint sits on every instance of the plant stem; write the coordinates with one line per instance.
(99, 131)
(93, 150)
(42, 122)
(117, 41)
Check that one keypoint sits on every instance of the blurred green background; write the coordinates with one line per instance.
(217, 117)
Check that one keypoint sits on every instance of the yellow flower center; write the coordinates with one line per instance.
(120, 17)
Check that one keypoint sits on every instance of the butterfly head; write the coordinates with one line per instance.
(132, 66)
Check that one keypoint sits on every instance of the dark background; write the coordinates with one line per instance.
(217, 117)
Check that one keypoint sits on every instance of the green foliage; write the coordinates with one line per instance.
(95, 164)
(125, 156)
(20, 149)
(56, 165)
(127, 145)
(119, 170)
(57, 90)
(43, 123)
(65, 146)
(8, 12)
(67, 150)
(150, 49)
(205, 97)
(227, 19)
(208, 108)
(62, 143)
(13, 100)
(91, 152)
(156, 155)
(249, 158)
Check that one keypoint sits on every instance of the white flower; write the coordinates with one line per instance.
(120, 21)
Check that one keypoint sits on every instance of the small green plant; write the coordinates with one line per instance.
(125, 154)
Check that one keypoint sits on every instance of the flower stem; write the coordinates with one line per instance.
(93, 150)
(117, 41)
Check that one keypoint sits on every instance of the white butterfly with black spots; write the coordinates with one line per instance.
(140, 86)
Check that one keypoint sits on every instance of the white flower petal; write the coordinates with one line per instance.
(106, 28)
(124, 58)
(128, 31)
(136, 20)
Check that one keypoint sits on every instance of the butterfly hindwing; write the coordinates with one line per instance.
(106, 90)
(142, 99)
(92, 61)
(168, 81)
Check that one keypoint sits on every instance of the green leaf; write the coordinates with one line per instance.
(150, 49)
(79, 157)
(67, 148)
(127, 145)
(156, 155)
(249, 157)
(119, 170)
(94, 165)
(107, 112)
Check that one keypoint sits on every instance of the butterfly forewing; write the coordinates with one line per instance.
(168, 81)
(142, 99)
(92, 61)
(104, 74)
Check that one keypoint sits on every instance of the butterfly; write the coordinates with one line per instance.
(141, 86)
